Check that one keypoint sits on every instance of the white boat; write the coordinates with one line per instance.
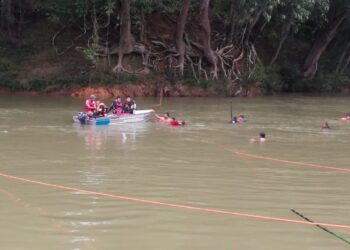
(137, 116)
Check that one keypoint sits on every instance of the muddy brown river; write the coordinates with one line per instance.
(190, 174)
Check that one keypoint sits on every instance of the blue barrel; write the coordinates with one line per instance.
(103, 121)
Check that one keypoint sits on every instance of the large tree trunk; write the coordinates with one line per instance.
(255, 18)
(342, 57)
(284, 35)
(347, 62)
(126, 40)
(231, 31)
(320, 45)
(180, 29)
(205, 24)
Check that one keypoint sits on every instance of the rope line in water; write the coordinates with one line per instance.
(267, 158)
(310, 165)
(165, 204)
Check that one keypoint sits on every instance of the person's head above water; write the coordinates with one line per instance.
(262, 137)
(325, 125)
(234, 119)
(166, 115)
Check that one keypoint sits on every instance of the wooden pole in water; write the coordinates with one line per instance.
(161, 95)
(231, 111)
(319, 226)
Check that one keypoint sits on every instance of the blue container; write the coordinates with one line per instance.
(103, 121)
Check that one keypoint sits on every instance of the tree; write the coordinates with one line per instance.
(338, 12)
(127, 42)
(205, 24)
(180, 29)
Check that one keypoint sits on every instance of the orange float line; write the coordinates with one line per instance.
(311, 165)
(165, 204)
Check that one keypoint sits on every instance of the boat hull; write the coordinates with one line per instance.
(136, 117)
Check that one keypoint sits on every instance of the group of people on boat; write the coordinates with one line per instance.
(95, 108)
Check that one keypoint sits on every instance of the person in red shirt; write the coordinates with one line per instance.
(90, 105)
(174, 122)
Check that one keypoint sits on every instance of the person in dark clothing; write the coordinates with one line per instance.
(129, 105)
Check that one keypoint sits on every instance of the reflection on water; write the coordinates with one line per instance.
(193, 165)
(96, 137)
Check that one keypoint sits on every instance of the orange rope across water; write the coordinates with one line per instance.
(267, 158)
(165, 204)
(311, 165)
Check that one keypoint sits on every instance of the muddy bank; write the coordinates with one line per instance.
(140, 90)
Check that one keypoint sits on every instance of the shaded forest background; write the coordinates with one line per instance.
(229, 47)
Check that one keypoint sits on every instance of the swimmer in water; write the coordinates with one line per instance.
(165, 118)
(262, 138)
(176, 123)
(325, 125)
(241, 119)
(234, 120)
(346, 118)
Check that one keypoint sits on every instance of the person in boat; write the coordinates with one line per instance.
(325, 125)
(176, 123)
(90, 106)
(346, 118)
(117, 106)
(101, 110)
(165, 118)
(129, 106)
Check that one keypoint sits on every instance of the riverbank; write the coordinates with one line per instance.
(140, 90)
(36, 67)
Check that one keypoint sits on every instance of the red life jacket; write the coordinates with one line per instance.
(90, 105)
(175, 123)
(118, 108)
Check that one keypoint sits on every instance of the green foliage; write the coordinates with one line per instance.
(66, 11)
(330, 82)
(88, 53)
(305, 19)
(266, 77)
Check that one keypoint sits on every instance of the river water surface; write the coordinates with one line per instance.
(195, 165)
